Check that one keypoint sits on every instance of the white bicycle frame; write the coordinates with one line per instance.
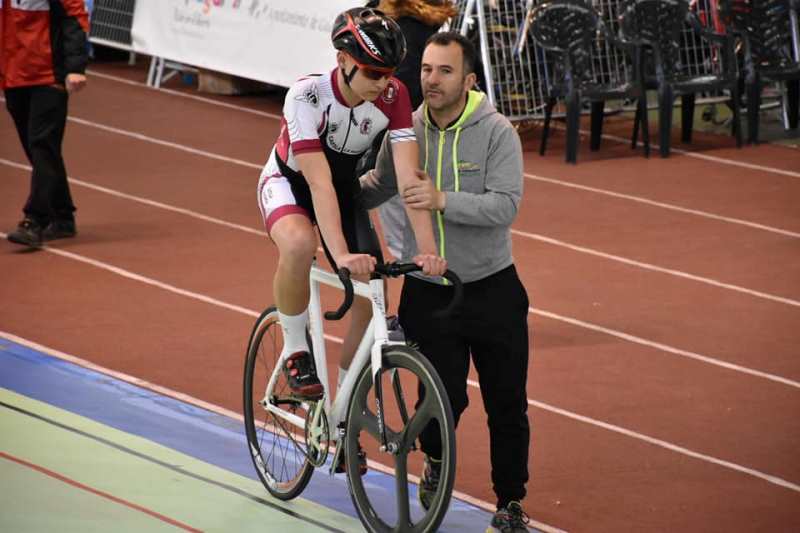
(375, 338)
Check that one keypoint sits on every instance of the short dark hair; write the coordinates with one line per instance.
(444, 38)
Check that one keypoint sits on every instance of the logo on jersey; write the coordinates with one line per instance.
(366, 126)
(389, 94)
(334, 127)
(310, 96)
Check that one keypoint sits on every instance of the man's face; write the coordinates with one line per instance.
(444, 84)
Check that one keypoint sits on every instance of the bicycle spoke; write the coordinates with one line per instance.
(424, 414)
(401, 486)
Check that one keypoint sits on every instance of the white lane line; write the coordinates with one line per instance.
(663, 205)
(542, 238)
(191, 400)
(662, 443)
(186, 95)
(654, 268)
(146, 201)
(665, 348)
(569, 320)
(253, 314)
(553, 181)
(615, 138)
(168, 144)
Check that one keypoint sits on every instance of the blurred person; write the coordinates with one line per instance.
(475, 158)
(43, 57)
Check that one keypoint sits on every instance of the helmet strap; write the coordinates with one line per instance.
(349, 77)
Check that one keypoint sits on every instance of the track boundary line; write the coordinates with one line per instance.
(655, 268)
(573, 321)
(715, 159)
(165, 391)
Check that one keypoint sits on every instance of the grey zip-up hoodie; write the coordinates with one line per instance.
(477, 161)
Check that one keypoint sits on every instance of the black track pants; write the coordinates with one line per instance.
(40, 115)
(491, 325)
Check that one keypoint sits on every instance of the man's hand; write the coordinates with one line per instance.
(423, 194)
(75, 82)
(356, 263)
(432, 264)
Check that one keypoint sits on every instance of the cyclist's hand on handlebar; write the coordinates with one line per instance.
(356, 263)
(431, 264)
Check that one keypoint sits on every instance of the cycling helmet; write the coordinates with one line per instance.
(370, 37)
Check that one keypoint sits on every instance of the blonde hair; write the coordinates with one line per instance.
(430, 12)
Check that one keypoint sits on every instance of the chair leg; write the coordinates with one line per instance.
(597, 125)
(736, 126)
(665, 101)
(753, 106)
(687, 117)
(793, 101)
(573, 123)
(642, 109)
(548, 114)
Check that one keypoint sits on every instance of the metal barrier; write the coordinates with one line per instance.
(514, 70)
(111, 22)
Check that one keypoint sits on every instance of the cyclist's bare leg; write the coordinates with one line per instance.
(297, 243)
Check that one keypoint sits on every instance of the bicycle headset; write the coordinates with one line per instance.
(371, 38)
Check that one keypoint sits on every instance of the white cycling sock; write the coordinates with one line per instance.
(294, 332)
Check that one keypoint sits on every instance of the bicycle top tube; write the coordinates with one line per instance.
(393, 270)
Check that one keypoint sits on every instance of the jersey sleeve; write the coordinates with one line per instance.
(304, 116)
(396, 104)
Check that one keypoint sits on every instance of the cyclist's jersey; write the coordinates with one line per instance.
(316, 118)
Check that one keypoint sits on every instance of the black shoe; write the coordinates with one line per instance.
(394, 329)
(302, 377)
(341, 468)
(28, 232)
(429, 481)
(509, 519)
(59, 229)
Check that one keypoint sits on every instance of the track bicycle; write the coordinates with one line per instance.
(389, 395)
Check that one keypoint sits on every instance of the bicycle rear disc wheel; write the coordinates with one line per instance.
(277, 447)
(405, 418)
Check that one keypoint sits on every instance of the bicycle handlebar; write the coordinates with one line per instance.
(394, 270)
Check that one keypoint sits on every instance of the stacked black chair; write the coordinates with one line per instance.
(657, 25)
(570, 29)
(765, 28)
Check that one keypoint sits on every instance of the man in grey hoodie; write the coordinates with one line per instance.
(471, 183)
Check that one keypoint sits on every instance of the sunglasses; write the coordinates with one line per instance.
(375, 73)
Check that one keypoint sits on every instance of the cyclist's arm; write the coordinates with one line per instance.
(317, 173)
(405, 156)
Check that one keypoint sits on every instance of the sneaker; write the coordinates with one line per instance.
(509, 519)
(59, 229)
(429, 481)
(394, 328)
(341, 467)
(28, 232)
(302, 377)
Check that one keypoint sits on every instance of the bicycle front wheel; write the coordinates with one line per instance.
(277, 446)
(413, 397)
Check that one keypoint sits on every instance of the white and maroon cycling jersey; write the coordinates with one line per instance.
(316, 118)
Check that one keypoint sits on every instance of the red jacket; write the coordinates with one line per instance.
(41, 41)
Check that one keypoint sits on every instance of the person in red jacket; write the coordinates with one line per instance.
(43, 57)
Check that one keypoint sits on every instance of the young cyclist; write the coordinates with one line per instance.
(329, 121)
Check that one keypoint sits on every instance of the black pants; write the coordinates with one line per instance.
(492, 325)
(40, 115)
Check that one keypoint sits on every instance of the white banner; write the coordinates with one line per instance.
(275, 41)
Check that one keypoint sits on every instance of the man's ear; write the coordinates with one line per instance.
(470, 80)
(340, 59)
